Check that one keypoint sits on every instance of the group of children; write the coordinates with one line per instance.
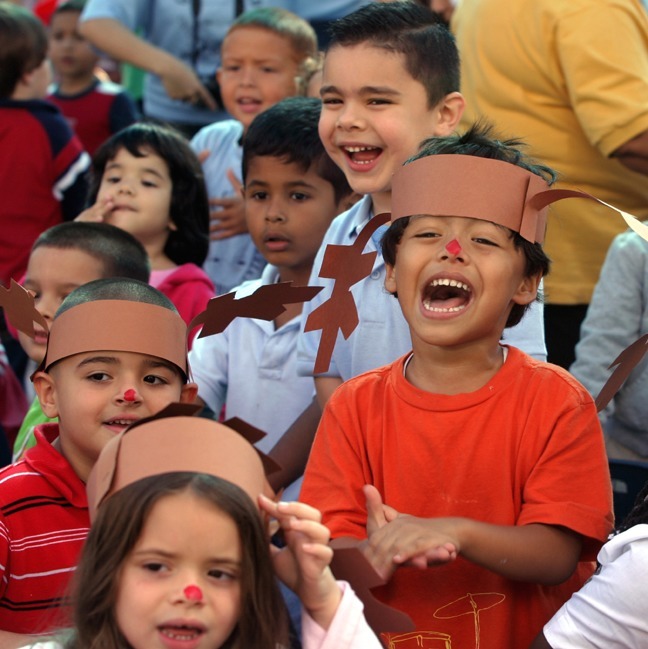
(471, 476)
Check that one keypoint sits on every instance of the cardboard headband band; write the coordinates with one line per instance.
(171, 444)
(472, 187)
(121, 326)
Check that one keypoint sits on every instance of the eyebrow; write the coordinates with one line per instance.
(365, 90)
(112, 360)
(221, 561)
(114, 165)
(291, 185)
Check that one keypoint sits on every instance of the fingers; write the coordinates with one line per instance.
(203, 155)
(375, 509)
(235, 182)
(98, 212)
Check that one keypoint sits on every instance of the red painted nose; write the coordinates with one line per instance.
(454, 247)
(193, 593)
(129, 395)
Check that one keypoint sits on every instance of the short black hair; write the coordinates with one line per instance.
(189, 210)
(115, 288)
(479, 141)
(288, 130)
(406, 28)
(119, 252)
(23, 45)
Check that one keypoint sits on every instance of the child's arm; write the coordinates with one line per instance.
(293, 448)
(304, 564)
(10, 640)
(537, 553)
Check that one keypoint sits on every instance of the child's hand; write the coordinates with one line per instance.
(395, 539)
(229, 219)
(304, 564)
(98, 212)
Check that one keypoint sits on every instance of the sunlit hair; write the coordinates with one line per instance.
(407, 28)
(115, 532)
(23, 45)
(288, 131)
(189, 208)
(478, 141)
(120, 253)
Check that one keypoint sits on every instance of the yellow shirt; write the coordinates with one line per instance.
(570, 78)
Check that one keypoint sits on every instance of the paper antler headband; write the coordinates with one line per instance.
(440, 185)
(176, 440)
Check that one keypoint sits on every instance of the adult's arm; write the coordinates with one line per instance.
(634, 153)
(116, 40)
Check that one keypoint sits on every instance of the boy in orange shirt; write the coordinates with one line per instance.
(496, 460)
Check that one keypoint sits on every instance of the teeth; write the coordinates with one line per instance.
(450, 282)
(121, 422)
(428, 307)
(357, 149)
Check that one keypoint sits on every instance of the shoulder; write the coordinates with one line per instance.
(540, 377)
(342, 227)
(191, 273)
(226, 131)
(373, 382)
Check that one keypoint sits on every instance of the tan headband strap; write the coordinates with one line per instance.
(472, 187)
(118, 325)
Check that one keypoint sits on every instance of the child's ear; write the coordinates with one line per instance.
(46, 391)
(528, 289)
(448, 113)
(189, 393)
(390, 279)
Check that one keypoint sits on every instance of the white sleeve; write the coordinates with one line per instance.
(609, 611)
(209, 360)
(348, 630)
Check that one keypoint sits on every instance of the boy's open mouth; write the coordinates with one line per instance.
(446, 296)
(362, 154)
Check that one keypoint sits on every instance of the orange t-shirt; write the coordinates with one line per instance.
(525, 448)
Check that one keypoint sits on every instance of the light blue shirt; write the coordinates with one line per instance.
(382, 335)
(169, 25)
(324, 9)
(251, 369)
(234, 260)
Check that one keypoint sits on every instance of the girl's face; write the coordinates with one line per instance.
(185, 542)
(141, 189)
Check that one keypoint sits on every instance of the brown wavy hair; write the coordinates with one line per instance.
(120, 520)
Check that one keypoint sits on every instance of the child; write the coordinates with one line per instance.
(401, 88)
(495, 459)
(183, 557)
(147, 181)
(95, 109)
(292, 192)
(62, 259)
(42, 164)
(116, 353)
(616, 317)
(261, 60)
(609, 611)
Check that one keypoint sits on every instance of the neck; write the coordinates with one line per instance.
(454, 370)
(75, 85)
(381, 202)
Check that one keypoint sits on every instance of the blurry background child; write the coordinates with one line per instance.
(42, 165)
(62, 259)
(261, 60)
(147, 181)
(293, 190)
(616, 317)
(95, 109)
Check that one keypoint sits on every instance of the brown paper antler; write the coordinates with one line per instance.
(18, 305)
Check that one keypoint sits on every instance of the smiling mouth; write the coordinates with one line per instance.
(446, 296)
(182, 633)
(362, 154)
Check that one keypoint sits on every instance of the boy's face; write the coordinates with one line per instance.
(288, 212)
(375, 115)
(258, 69)
(141, 190)
(96, 395)
(52, 274)
(71, 55)
(457, 279)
